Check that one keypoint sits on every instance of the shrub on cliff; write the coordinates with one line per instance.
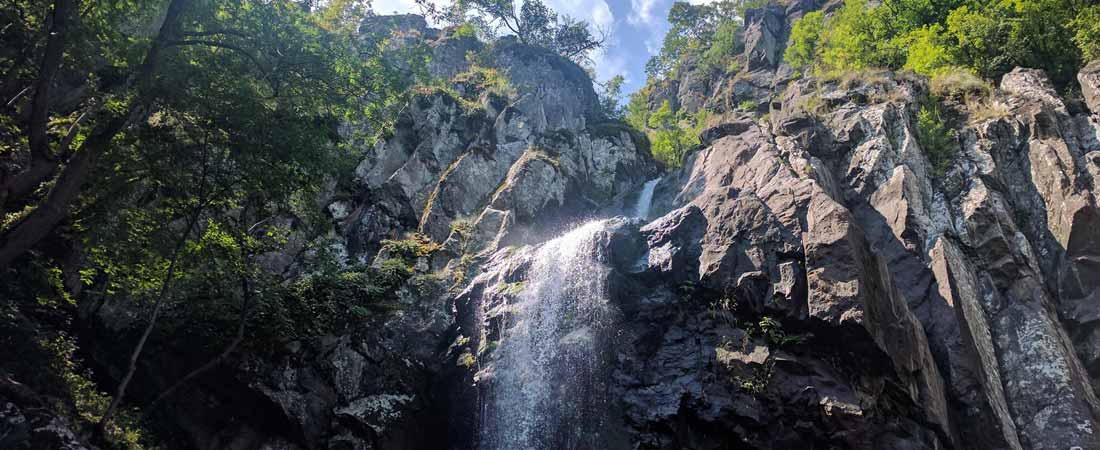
(989, 37)
(671, 135)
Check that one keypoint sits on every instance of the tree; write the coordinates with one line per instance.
(1086, 32)
(802, 45)
(610, 92)
(988, 37)
(225, 110)
(669, 141)
(533, 23)
(694, 29)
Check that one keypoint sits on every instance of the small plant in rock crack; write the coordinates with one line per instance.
(724, 309)
(758, 382)
(773, 333)
(937, 140)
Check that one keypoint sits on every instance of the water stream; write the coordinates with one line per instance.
(549, 383)
(645, 199)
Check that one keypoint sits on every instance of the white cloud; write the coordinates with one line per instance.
(597, 13)
(385, 7)
(608, 65)
(642, 12)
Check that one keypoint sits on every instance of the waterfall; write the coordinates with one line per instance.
(645, 199)
(548, 388)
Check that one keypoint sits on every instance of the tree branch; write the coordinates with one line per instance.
(42, 163)
(39, 223)
(227, 46)
(51, 61)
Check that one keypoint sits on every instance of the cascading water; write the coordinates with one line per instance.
(645, 199)
(547, 391)
(549, 376)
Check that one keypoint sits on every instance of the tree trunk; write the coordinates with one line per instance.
(26, 233)
(42, 162)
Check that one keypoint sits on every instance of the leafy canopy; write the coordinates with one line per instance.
(531, 21)
(989, 37)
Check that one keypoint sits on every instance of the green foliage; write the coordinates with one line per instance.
(46, 359)
(465, 30)
(249, 109)
(329, 303)
(725, 45)
(989, 36)
(637, 109)
(937, 140)
(1086, 32)
(669, 140)
(758, 382)
(774, 335)
(532, 22)
(670, 145)
(928, 52)
(663, 117)
(707, 31)
(485, 79)
(415, 246)
(609, 95)
(802, 45)
(748, 106)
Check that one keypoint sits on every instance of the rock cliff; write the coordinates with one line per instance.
(812, 277)
(816, 278)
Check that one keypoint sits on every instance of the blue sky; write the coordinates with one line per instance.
(635, 27)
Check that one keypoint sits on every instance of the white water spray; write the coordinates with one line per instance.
(548, 390)
(645, 199)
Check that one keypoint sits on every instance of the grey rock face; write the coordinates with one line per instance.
(1089, 77)
(28, 422)
(537, 156)
(765, 35)
(916, 311)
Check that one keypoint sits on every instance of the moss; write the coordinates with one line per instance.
(466, 360)
(559, 138)
(985, 109)
(415, 246)
(814, 105)
(426, 213)
(487, 348)
(512, 288)
(849, 79)
(544, 156)
(426, 92)
(486, 80)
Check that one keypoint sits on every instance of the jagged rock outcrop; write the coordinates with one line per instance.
(917, 310)
(508, 164)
